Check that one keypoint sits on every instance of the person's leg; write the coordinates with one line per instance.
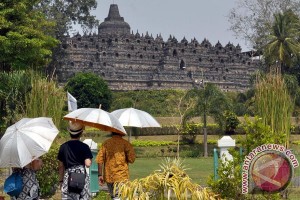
(110, 187)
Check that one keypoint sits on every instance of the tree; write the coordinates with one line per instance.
(210, 101)
(283, 42)
(183, 104)
(90, 90)
(25, 35)
(67, 13)
(252, 20)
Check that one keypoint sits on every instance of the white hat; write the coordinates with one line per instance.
(75, 128)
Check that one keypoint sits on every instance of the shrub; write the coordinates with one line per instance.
(171, 182)
(229, 181)
(149, 143)
(48, 174)
(231, 122)
(90, 91)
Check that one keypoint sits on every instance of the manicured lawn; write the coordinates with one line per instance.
(198, 168)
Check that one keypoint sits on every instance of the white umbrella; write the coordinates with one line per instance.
(26, 140)
(135, 118)
(90, 143)
(98, 118)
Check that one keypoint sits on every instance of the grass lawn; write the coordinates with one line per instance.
(198, 168)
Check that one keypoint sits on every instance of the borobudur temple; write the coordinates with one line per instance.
(133, 61)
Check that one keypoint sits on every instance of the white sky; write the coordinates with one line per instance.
(190, 18)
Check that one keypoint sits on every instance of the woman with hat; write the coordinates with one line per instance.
(74, 156)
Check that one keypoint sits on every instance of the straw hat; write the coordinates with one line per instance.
(75, 128)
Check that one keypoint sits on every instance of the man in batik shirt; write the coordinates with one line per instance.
(114, 156)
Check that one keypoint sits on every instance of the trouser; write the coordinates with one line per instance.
(113, 195)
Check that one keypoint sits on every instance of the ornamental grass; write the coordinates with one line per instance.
(274, 105)
(170, 182)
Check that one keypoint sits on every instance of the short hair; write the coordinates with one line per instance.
(75, 136)
(115, 133)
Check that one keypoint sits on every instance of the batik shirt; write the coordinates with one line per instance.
(30, 190)
(115, 153)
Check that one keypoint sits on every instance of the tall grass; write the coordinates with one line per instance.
(46, 99)
(274, 105)
(13, 87)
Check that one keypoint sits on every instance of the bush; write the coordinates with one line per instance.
(231, 122)
(90, 91)
(170, 182)
(149, 143)
(155, 102)
(48, 174)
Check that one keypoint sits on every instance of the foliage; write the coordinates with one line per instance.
(209, 101)
(169, 182)
(67, 13)
(149, 143)
(48, 174)
(296, 142)
(206, 101)
(101, 195)
(90, 90)
(283, 41)
(242, 102)
(190, 131)
(13, 87)
(231, 122)
(45, 99)
(291, 83)
(252, 20)
(229, 182)
(274, 105)
(164, 103)
(24, 35)
(258, 133)
(155, 102)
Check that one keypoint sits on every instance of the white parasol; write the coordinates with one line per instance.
(98, 118)
(26, 140)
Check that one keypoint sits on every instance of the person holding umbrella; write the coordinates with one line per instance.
(73, 157)
(20, 148)
(114, 156)
(30, 187)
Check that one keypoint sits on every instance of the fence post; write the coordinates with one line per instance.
(216, 158)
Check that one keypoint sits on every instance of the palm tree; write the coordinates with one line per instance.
(210, 101)
(283, 42)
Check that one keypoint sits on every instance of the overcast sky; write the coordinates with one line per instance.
(190, 18)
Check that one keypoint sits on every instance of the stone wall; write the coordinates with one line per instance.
(129, 61)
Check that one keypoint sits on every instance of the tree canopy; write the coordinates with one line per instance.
(283, 44)
(90, 91)
(210, 101)
(252, 20)
(25, 35)
(67, 13)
